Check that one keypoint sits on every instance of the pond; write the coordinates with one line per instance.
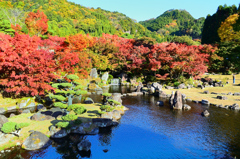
(149, 131)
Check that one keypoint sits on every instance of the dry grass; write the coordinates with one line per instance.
(197, 93)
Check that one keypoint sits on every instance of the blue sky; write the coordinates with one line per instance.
(147, 9)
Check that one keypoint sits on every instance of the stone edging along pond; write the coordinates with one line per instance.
(42, 125)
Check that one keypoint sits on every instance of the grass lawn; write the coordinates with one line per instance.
(197, 93)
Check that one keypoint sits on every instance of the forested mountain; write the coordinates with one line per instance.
(176, 22)
(68, 18)
(212, 23)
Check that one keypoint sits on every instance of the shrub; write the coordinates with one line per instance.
(69, 117)
(62, 124)
(80, 110)
(101, 112)
(107, 108)
(107, 94)
(77, 122)
(58, 97)
(60, 105)
(12, 126)
(176, 84)
(111, 101)
(81, 92)
(73, 107)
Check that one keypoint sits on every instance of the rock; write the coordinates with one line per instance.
(216, 85)
(3, 120)
(139, 87)
(177, 101)
(40, 107)
(205, 102)
(222, 97)
(168, 87)
(195, 101)
(59, 133)
(102, 122)
(117, 97)
(160, 103)
(116, 114)
(184, 96)
(236, 94)
(133, 81)
(41, 117)
(2, 110)
(157, 86)
(123, 77)
(152, 90)
(235, 106)
(206, 92)
(78, 130)
(189, 100)
(108, 115)
(181, 86)
(93, 73)
(205, 113)
(186, 107)
(94, 131)
(162, 94)
(26, 111)
(36, 140)
(88, 101)
(105, 150)
(84, 145)
(26, 103)
(230, 93)
(105, 77)
(12, 115)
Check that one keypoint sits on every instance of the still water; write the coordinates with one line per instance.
(147, 131)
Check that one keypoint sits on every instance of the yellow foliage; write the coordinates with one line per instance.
(89, 21)
(226, 32)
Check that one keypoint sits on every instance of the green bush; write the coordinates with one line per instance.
(114, 102)
(77, 122)
(81, 92)
(58, 97)
(62, 124)
(74, 106)
(107, 108)
(80, 110)
(60, 105)
(69, 117)
(72, 77)
(101, 112)
(12, 126)
(175, 84)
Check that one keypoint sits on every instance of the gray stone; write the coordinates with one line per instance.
(36, 140)
(12, 115)
(10, 109)
(59, 133)
(168, 87)
(160, 103)
(139, 87)
(88, 101)
(230, 93)
(117, 97)
(40, 107)
(152, 90)
(206, 92)
(205, 102)
(105, 77)
(108, 115)
(182, 86)
(41, 117)
(177, 102)
(236, 94)
(102, 122)
(222, 97)
(157, 86)
(94, 73)
(214, 93)
(84, 145)
(26, 111)
(162, 94)
(2, 110)
(205, 113)
(235, 106)
(189, 100)
(116, 114)
(186, 107)
(3, 120)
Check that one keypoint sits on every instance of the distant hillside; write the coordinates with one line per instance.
(176, 22)
(66, 18)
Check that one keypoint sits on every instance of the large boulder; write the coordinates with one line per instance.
(139, 87)
(59, 133)
(2, 110)
(41, 117)
(102, 122)
(88, 101)
(107, 115)
(28, 103)
(105, 77)
(117, 97)
(176, 102)
(116, 114)
(77, 99)
(3, 120)
(162, 94)
(157, 86)
(94, 73)
(234, 107)
(84, 145)
(205, 102)
(182, 86)
(36, 140)
(186, 107)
